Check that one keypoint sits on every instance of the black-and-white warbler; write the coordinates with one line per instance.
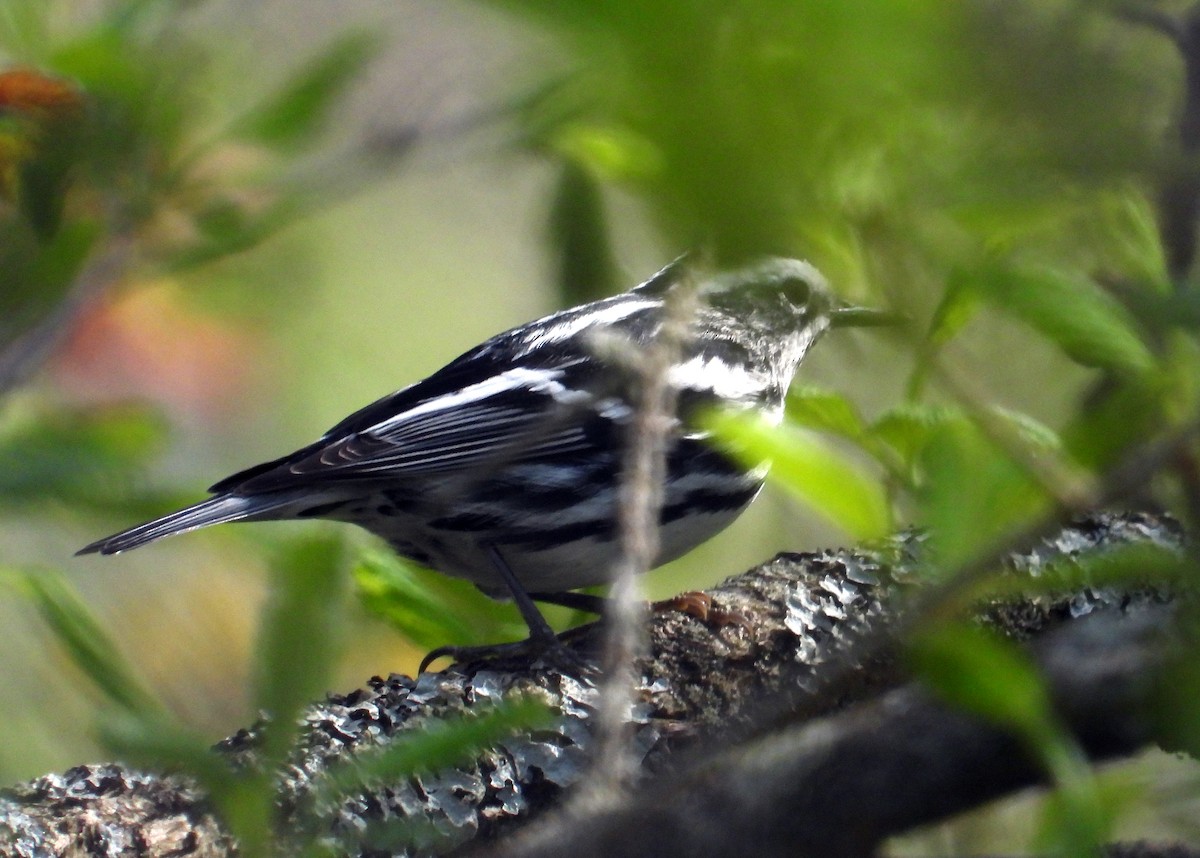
(504, 466)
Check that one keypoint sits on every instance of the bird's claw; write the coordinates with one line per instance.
(552, 650)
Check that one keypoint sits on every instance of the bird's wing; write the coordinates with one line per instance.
(500, 416)
(516, 414)
(526, 393)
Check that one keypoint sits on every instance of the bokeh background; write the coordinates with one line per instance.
(457, 175)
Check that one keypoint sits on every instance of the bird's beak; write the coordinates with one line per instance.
(862, 317)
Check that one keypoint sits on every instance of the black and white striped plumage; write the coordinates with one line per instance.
(514, 449)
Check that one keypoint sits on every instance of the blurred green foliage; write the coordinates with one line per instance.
(955, 163)
(815, 470)
(429, 608)
(438, 745)
(947, 161)
(116, 106)
(292, 117)
(88, 644)
(992, 678)
(84, 459)
(299, 636)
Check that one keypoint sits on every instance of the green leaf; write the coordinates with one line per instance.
(83, 457)
(244, 798)
(1129, 232)
(428, 608)
(225, 227)
(300, 634)
(105, 63)
(440, 744)
(579, 237)
(1118, 416)
(984, 675)
(825, 411)
(959, 305)
(994, 679)
(610, 152)
(970, 492)
(908, 428)
(294, 114)
(1077, 818)
(1125, 567)
(824, 477)
(85, 641)
(430, 745)
(158, 743)
(1029, 430)
(973, 495)
(35, 275)
(1072, 311)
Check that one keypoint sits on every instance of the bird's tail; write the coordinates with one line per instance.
(215, 510)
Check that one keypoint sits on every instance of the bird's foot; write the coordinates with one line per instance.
(551, 651)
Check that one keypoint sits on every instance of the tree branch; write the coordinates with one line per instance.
(840, 785)
(756, 644)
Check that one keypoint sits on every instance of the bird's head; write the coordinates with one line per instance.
(773, 295)
(780, 294)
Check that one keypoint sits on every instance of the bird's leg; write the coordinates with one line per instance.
(539, 629)
(542, 639)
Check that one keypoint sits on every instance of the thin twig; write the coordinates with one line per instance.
(1068, 484)
(638, 510)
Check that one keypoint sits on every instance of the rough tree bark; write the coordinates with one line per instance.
(746, 741)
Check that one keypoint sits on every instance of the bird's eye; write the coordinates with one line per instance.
(796, 290)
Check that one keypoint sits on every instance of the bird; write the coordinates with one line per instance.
(503, 467)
